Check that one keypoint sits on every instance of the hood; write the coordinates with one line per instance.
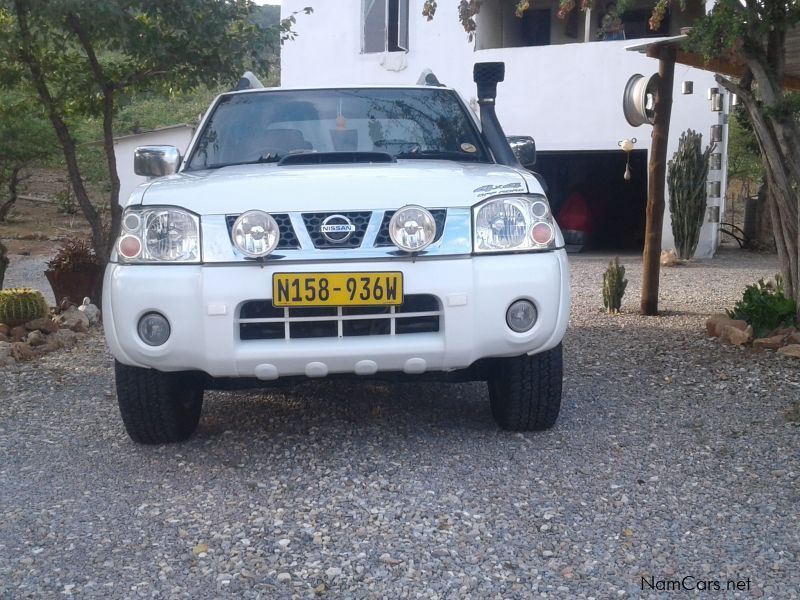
(341, 187)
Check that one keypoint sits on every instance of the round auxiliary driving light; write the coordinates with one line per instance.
(255, 233)
(154, 329)
(521, 316)
(412, 228)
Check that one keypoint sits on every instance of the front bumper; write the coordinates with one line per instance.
(202, 304)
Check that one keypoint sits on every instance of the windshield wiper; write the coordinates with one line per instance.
(269, 158)
(440, 155)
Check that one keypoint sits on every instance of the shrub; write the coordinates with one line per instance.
(614, 284)
(20, 305)
(75, 256)
(765, 307)
(65, 202)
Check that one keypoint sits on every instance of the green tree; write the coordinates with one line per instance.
(27, 138)
(750, 33)
(80, 55)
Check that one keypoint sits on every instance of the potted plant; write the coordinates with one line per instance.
(74, 272)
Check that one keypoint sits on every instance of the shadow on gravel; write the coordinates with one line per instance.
(329, 407)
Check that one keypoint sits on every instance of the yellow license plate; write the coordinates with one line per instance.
(337, 289)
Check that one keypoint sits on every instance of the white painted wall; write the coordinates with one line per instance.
(124, 148)
(569, 96)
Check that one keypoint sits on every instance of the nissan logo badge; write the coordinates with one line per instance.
(337, 229)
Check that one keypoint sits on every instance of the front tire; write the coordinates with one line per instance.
(525, 391)
(156, 407)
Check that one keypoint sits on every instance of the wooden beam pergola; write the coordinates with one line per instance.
(731, 67)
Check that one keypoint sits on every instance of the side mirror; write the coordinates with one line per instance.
(156, 161)
(524, 148)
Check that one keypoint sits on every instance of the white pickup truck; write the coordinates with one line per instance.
(366, 232)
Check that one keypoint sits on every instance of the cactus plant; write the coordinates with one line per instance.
(3, 263)
(614, 284)
(686, 175)
(20, 305)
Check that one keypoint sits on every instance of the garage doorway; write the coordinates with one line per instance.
(593, 203)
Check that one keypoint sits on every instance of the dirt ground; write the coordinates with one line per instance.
(35, 226)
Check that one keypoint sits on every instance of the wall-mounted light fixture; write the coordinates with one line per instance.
(626, 146)
(734, 100)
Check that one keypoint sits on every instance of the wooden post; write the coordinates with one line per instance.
(657, 172)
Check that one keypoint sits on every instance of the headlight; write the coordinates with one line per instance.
(159, 234)
(412, 228)
(513, 223)
(255, 233)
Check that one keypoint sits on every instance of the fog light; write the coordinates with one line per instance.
(154, 329)
(521, 316)
(412, 228)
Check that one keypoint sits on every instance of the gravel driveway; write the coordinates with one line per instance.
(673, 458)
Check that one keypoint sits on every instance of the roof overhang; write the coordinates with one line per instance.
(730, 67)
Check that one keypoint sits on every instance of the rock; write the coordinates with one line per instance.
(794, 338)
(45, 325)
(90, 310)
(21, 351)
(669, 258)
(36, 338)
(792, 350)
(74, 319)
(782, 331)
(332, 572)
(4, 329)
(284, 577)
(770, 343)
(716, 323)
(735, 336)
(5, 351)
(63, 338)
(18, 333)
(201, 548)
(387, 558)
(4, 338)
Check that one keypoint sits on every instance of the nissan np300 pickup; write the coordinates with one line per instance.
(350, 231)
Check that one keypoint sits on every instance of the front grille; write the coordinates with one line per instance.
(260, 320)
(313, 222)
(288, 239)
(383, 239)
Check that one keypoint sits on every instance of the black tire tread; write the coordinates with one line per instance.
(156, 407)
(525, 391)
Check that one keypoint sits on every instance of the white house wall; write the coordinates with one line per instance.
(568, 96)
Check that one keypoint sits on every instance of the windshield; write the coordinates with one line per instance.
(406, 123)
